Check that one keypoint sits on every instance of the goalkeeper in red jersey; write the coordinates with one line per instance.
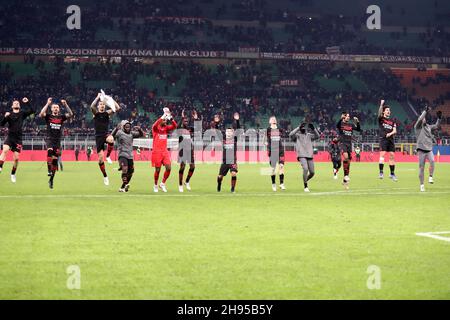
(160, 155)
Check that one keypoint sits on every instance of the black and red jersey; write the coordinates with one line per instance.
(15, 123)
(54, 127)
(386, 126)
(229, 146)
(101, 123)
(186, 132)
(274, 140)
(346, 130)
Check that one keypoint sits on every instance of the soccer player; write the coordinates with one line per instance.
(89, 153)
(335, 154)
(305, 154)
(425, 141)
(275, 149)
(358, 154)
(229, 155)
(13, 140)
(346, 130)
(387, 129)
(124, 137)
(160, 155)
(102, 136)
(54, 121)
(186, 150)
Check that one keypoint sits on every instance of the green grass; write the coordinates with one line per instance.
(255, 244)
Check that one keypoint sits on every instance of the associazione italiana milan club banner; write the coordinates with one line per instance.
(243, 54)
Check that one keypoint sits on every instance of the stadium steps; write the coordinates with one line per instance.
(430, 92)
(22, 70)
(336, 85)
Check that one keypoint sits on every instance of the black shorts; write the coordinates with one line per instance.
(224, 168)
(15, 145)
(336, 160)
(274, 158)
(387, 145)
(346, 147)
(100, 142)
(125, 162)
(54, 148)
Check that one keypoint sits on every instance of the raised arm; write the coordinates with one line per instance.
(43, 112)
(236, 122)
(419, 121)
(315, 134)
(138, 132)
(30, 110)
(293, 133)
(438, 121)
(69, 113)
(380, 110)
(357, 124)
(116, 130)
(172, 126)
(94, 104)
(156, 125)
(110, 112)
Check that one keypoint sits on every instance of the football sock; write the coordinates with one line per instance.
(219, 183)
(54, 167)
(49, 163)
(346, 167)
(180, 177)
(190, 173)
(102, 168)
(124, 179)
(109, 149)
(233, 183)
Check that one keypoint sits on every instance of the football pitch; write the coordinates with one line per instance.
(254, 244)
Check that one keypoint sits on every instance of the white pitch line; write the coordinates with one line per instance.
(312, 194)
(434, 235)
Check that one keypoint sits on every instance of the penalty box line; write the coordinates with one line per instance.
(434, 235)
